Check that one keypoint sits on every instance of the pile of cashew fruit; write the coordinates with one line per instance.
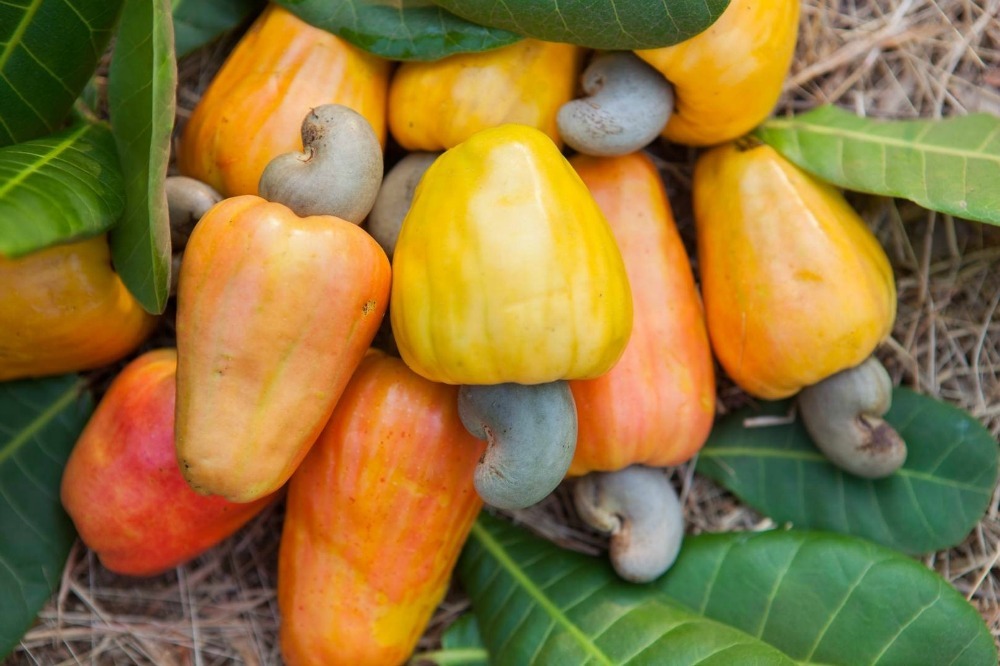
(544, 322)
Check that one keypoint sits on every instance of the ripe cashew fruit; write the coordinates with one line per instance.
(376, 518)
(796, 286)
(122, 486)
(728, 78)
(437, 105)
(64, 309)
(252, 110)
(656, 405)
(505, 269)
(274, 313)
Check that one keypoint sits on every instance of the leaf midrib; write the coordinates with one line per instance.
(44, 159)
(17, 37)
(871, 136)
(43, 419)
(753, 452)
(504, 560)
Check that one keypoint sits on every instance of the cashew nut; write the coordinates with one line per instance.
(628, 106)
(843, 414)
(394, 198)
(639, 508)
(338, 172)
(530, 434)
(188, 200)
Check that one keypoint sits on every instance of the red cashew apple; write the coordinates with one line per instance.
(122, 485)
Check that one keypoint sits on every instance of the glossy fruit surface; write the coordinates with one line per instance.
(796, 286)
(376, 517)
(274, 312)
(437, 105)
(122, 486)
(656, 406)
(253, 108)
(505, 269)
(727, 79)
(64, 309)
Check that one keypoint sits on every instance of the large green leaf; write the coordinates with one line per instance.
(40, 421)
(829, 598)
(399, 29)
(198, 22)
(598, 24)
(930, 504)
(142, 84)
(63, 187)
(734, 598)
(538, 604)
(950, 165)
(48, 51)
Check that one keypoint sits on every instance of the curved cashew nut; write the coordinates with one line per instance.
(188, 200)
(640, 509)
(628, 106)
(530, 432)
(843, 414)
(338, 172)
(394, 198)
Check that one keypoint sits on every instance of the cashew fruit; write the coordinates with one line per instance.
(122, 486)
(655, 406)
(376, 518)
(728, 78)
(796, 286)
(505, 269)
(274, 313)
(64, 309)
(253, 108)
(439, 104)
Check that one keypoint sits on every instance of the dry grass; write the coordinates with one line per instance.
(883, 58)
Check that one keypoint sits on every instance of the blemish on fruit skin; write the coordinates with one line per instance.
(368, 307)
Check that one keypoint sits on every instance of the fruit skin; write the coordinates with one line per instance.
(505, 269)
(274, 313)
(376, 518)
(64, 309)
(728, 78)
(656, 406)
(122, 486)
(252, 110)
(796, 286)
(437, 105)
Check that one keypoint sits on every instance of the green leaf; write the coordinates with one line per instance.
(538, 604)
(199, 22)
(930, 504)
(735, 598)
(399, 29)
(597, 24)
(141, 86)
(48, 51)
(63, 187)
(461, 645)
(40, 421)
(950, 165)
(829, 598)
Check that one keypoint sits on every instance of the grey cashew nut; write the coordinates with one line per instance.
(530, 434)
(639, 508)
(188, 199)
(394, 199)
(338, 172)
(628, 106)
(843, 415)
